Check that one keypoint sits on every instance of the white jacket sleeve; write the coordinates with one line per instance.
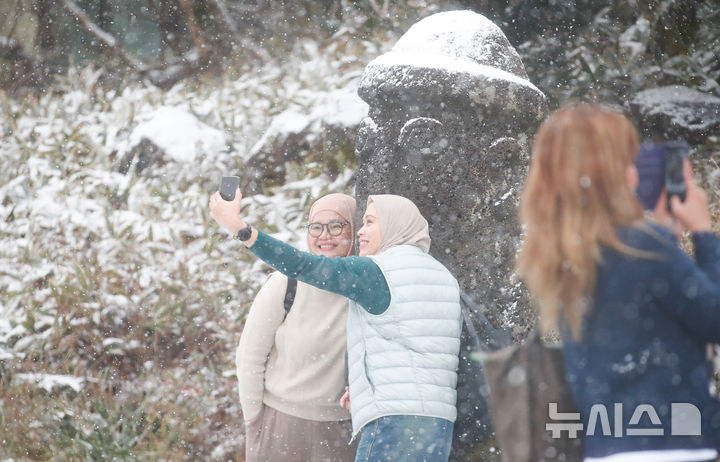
(256, 342)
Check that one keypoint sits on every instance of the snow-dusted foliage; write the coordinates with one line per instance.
(609, 51)
(121, 301)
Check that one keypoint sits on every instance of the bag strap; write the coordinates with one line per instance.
(465, 300)
(289, 295)
(488, 338)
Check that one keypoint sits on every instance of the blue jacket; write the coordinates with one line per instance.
(644, 343)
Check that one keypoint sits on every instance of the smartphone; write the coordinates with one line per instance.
(228, 186)
(650, 164)
(675, 152)
(659, 166)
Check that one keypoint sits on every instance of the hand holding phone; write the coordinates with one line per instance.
(224, 205)
(228, 186)
(660, 165)
(675, 152)
(693, 213)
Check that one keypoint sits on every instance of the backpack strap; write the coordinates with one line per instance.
(290, 295)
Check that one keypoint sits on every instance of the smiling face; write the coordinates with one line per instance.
(326, 244)
(369, 236)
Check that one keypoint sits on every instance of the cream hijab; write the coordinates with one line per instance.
(342, 204)
(400, 222)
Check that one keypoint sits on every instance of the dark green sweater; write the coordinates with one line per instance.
(357, 278)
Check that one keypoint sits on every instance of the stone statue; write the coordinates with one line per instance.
(450, 123)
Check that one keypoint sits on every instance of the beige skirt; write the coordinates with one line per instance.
(277, 437)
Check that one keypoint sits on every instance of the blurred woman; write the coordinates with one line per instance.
(403, 327)
(292, 368)
(634, 312)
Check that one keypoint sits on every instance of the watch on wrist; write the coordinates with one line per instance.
(244, 234)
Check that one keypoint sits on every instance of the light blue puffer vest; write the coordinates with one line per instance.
(404, 361)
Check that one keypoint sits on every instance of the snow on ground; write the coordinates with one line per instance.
(177, 132)
(336, 108)
(49, 382)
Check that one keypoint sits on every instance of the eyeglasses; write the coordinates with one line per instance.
(334, 228)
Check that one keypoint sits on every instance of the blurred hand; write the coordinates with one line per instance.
(227, 213)
(345, 400)
(663, 216)
(693, 213)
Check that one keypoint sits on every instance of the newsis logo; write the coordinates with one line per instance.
(685, 420)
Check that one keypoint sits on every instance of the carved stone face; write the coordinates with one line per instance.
(449, 127)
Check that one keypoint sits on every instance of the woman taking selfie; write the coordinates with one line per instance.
(291, 366)
(634, 312)
(403, 330)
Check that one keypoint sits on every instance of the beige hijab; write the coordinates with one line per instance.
(400, 222)
(342, 204)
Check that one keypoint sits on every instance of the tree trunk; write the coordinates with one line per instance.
(193, 26)
(105, 15)
(47, 30)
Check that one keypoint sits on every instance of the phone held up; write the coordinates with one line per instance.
(661, 165)
(228, 185)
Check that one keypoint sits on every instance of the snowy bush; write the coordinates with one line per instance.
(122, 301)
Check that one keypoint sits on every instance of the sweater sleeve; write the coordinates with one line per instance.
(357, 278)
(256, 342)
(694, 287)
